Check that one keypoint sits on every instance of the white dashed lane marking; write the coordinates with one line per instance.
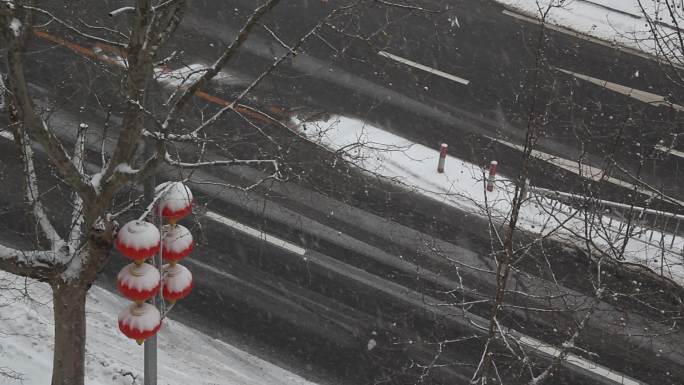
(424, 68)
(642, 96)
(275, 241)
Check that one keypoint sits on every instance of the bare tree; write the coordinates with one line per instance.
(69, 256)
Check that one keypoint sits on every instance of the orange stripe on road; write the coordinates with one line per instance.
(105, 47)
(222, 102)
(74, 47)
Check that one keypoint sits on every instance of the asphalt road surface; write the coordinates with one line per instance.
(495, 52)
(333, 299)
(361, 277)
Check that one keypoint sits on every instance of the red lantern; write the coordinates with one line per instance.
(139, 322)
(177, 243)
(176, 202)
(138, 240)
(177, 282)
(138, 282)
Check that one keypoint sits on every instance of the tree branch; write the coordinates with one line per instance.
(31, 187)
(35, 264)
(290, 53)
(76, 201)
(221, 61)
(233, 162)
(72, 28)
(405, 6)
(25, 113)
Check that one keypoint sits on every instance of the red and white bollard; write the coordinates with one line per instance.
(492, 175)
(442, 157)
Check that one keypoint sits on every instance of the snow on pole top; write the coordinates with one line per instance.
(177, 243)
(176, 201)
(138, 240)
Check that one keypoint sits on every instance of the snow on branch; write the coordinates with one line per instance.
(233, 162)
(405, 6)
(291, 52)
(165, 4)
(32, 193)
(38, 264)
(119, 11)
(76, 201)
(72, 28)
(221, 61)
(22, 102)
(159, 193)
(124, 173)
(276, 38)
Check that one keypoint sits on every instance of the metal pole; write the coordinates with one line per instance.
(150, 359)
(150, 371)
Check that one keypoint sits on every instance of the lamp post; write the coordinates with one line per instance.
(140, 281)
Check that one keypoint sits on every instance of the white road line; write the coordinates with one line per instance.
(291, 247)
(574, 360)
(194, 261)
(669, 150)
(642, 96)
(584, 170)
(589, 38)
(424, 67)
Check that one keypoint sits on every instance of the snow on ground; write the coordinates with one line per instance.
(462, 186)
(619, 21)
(186, 356)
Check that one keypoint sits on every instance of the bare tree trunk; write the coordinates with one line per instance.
(70, 333)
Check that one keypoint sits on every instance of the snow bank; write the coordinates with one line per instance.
(186, 356)
(462, 185)
(618, 21)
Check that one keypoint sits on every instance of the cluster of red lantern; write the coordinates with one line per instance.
(139, 281)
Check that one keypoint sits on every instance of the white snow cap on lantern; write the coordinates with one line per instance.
(176, 238)
(144, 317)
(178, 196)
(141, 278)
(139, 235)
(177, 278)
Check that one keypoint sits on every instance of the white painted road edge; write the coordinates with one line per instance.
(275, 241)
(668, 150)
(424, 68)
(585, 171)
(574, 360)
(583, 36)
(642, 96)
